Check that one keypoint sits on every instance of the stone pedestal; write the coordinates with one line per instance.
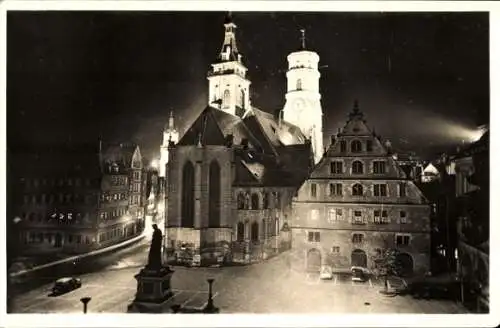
(153, 291)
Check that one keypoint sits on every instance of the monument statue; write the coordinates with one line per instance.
(154, 258)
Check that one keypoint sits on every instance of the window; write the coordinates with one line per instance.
(376, 216)
(240, 231)
(335, 189)
(402, 189)
(336, 167)
(299, 84)
(343, 146)
(313, 190)
(379, 167)
(357, 190)
(265, 200)
(402, 217)
(242, 99)
(255, 202)
(380, 190)
(357, 217)
(241, 201)
(357, 167)
(402, 240)
(226, 99)
(314, 214)
(335, 249)
(313, 236)
(380, 217)
(136, 187)
(369, 145)
(357, 238)
(355, 146)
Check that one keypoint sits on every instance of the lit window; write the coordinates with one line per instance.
(314, 214)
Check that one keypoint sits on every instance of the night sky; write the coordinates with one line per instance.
(422, 79)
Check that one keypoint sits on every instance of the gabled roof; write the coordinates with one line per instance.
(121, 154)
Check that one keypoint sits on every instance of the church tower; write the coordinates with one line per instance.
(303, 106)
(170, 134)
(229, 88)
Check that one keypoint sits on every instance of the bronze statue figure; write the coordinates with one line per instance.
(154, 258)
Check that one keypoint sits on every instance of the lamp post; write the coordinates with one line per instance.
(210, 308)
(85, 301)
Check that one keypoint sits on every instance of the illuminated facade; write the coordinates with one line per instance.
(357, 202)
(303, 100)
(170, 134)
(79, 199)
(232, 175)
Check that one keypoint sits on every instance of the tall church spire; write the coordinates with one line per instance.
(171, 121)
(229, 51)
(303, 39)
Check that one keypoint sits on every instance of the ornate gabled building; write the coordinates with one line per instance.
(357, 202)
(232, 175)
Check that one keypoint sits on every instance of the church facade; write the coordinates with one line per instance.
(358, 202)
(233, 174)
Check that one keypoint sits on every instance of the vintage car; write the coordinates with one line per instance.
(67, 284)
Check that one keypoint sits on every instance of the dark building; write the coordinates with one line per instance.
(76, 198)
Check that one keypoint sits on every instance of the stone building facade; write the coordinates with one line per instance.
(232, 175)
(357, 202)
(74, 199)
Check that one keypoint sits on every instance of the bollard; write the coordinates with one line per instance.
(85, 301)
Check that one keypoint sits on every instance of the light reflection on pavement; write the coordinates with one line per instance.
(261, 288)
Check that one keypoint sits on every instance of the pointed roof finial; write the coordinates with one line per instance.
(171, 120)
(303, 38)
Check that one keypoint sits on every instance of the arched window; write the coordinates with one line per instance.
(240, 232)
(357, 190)
(356, 146)
(254, 232)
(255, 202)
(299, 84)
(214, 195)
(226, 99)
(357, 167)
(247, 201)
(241, 201)
(242, 98)
(265, 200)
(187, 203)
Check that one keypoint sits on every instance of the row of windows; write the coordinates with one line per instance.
(57, 198)
(246, 201)
(112, 234)
(357, 238)
(356, 146)
(56, 217)
(379, 189)
(136, 187)
(357, 167)
(379, 216)
(113, 214)
(55, 239)
(119, 180)
(106, 197)
(77, 182)
(267, 229)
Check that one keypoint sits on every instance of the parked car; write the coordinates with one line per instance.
(359, 274)
(65, 285)
(326, 273)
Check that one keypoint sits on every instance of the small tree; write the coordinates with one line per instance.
(386, 261)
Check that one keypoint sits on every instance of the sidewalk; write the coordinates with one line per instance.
(80, 256)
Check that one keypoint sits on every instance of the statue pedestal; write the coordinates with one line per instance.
(153, 291)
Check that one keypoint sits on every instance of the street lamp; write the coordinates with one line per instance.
(85, 301)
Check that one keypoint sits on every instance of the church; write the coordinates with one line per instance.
(233, 174)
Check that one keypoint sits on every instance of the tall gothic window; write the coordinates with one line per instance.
(265, 200)
(255, 202)
(214, 195)
(226, 99)
(241, 201)
(187, 219)
(299, 84)
(240, 231)
(357, 167)
(254, 232)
